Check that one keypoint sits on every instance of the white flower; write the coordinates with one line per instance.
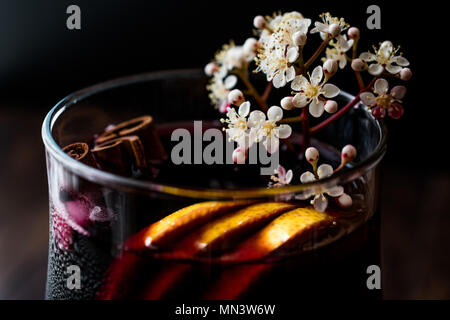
(219, 89)
(309, 92)
(383, 100)
(281, 177)
(331, 25)
(283, 35)
(267, 130)
(384, 58)
(238, 129)
(231, 57)
(320, 202)
(338, 50)
(277, 65)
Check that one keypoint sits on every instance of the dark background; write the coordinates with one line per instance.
(41, 61)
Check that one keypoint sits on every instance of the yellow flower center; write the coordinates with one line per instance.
(384, 100)
(268, 126)
(311, 90)
(240, 124)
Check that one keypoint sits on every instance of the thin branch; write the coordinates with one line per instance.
(341, 112)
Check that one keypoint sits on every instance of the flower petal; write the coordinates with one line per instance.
(368, 98)
(316, 108)
(289, 176)
(275, 113)
(299, 83)
(330, 90)
(386, 48)
(244, 109)
(381, 86)
(395, 111)
(279, 80)
(376, 69)
(281, 171)
(367, 56)
(292, 54)
(320, 27)
(393, 69)
(378, 112)
(335, 191)
(300, 100)
(401, 61)
(284, 131)
(316, 75)
(320, 203)
(290, 74)
(342, 62)
(255, 118)
(230, 81)
(272, 144)
(398, 92)
(324, 171)
(307, 177)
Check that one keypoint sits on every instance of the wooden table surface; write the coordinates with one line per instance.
(415, 219)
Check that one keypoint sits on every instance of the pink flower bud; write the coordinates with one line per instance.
(348, 153)
(211, 68)
(259, 22)
(330, 66)
(236, 97)
(239, 155)
(334, 29)
(405, 74)
(344, 201)
(331, 106)
(353, 33)
(286, 103)
(358, 65)
(299, 38)
(312, 155)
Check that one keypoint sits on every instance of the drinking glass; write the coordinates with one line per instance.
(98, 220)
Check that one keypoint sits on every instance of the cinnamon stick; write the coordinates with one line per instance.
(121, 155)
(144, 128)
(80, 152)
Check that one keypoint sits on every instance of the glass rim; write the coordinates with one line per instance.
(112, 180)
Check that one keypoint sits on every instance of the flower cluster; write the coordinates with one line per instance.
(229, 58)
(256, 128)
(278, 52)
(279, 42)
(319, 192)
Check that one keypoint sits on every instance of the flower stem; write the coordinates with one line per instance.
(341, 112)
(305, 130)
(360, 80)
(266, 93)
(243, 75)
(317, 53)
(292, 119)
